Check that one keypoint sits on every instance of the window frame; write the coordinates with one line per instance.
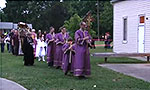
(125, 30)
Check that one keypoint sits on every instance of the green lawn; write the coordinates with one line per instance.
(41, 77)
(100, 42)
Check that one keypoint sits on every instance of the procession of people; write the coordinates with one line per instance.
(59, 49)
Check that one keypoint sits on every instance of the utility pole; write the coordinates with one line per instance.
(98, 19)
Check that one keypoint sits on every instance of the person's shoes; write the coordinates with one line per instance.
(71, 72)
(34, 57)
(81, 77)
(31, 64)
(66, 72)
(39, 59)
(26, 65)
(50, 64)
(43, 58)
(57, 67)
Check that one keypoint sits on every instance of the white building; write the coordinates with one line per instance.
(131, 26)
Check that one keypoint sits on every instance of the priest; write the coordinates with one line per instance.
(82, 56)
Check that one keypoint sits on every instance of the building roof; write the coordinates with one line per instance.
(10, 25)
(6, 25)
(114, 1)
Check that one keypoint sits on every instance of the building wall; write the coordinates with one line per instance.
(147, 33)
(130, 9)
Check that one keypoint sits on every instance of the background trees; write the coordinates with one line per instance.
(43, 14)
(73, 24)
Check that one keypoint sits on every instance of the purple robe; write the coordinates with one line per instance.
(60, 40)
(50, 47)
(82, 57)
(35, 42)
(68, 57)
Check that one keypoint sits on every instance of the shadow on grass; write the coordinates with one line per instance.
(108, 62)
(122, 60)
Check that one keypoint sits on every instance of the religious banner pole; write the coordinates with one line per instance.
(88, 19)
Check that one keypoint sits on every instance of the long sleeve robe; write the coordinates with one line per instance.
(82, 57)
(68, 57)
(60, 41)
(50, 47)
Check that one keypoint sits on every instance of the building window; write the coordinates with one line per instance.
(125, 29)
(142, 19)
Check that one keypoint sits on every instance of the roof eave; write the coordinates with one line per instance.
(115, 1)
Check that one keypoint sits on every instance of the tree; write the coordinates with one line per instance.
(105, 9)
(73, 24)
(106, 18)
(2, 16)
(15, 11)
(43, 14)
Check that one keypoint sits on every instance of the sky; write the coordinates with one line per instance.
(2, 4)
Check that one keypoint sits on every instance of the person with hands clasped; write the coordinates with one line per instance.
(68, 56)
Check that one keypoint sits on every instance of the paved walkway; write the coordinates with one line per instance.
(10, 85)
(141, 71)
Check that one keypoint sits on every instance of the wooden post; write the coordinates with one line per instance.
(88, 22)
(88, 19)
(105, 59)
(148, 58)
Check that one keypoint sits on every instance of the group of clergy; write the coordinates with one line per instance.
(62, 52)
(71, 56)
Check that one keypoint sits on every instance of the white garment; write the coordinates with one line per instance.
(40, 50)
(20, 52)
(7, 40)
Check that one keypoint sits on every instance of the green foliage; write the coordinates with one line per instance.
(92, 33)
(43, 14)
(73, 24)
(106, 18)
(2, 16)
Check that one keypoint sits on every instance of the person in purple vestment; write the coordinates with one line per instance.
(34, 37)
(50, 39)
(61, 39)
(68, 56)
(82, 57)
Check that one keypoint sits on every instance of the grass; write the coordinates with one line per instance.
(101, 42)
(41, 77)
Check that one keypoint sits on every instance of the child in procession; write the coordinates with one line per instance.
(68, 56)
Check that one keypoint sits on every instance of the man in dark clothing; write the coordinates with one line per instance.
(11, 37)
(107, 40)
(28, 50)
